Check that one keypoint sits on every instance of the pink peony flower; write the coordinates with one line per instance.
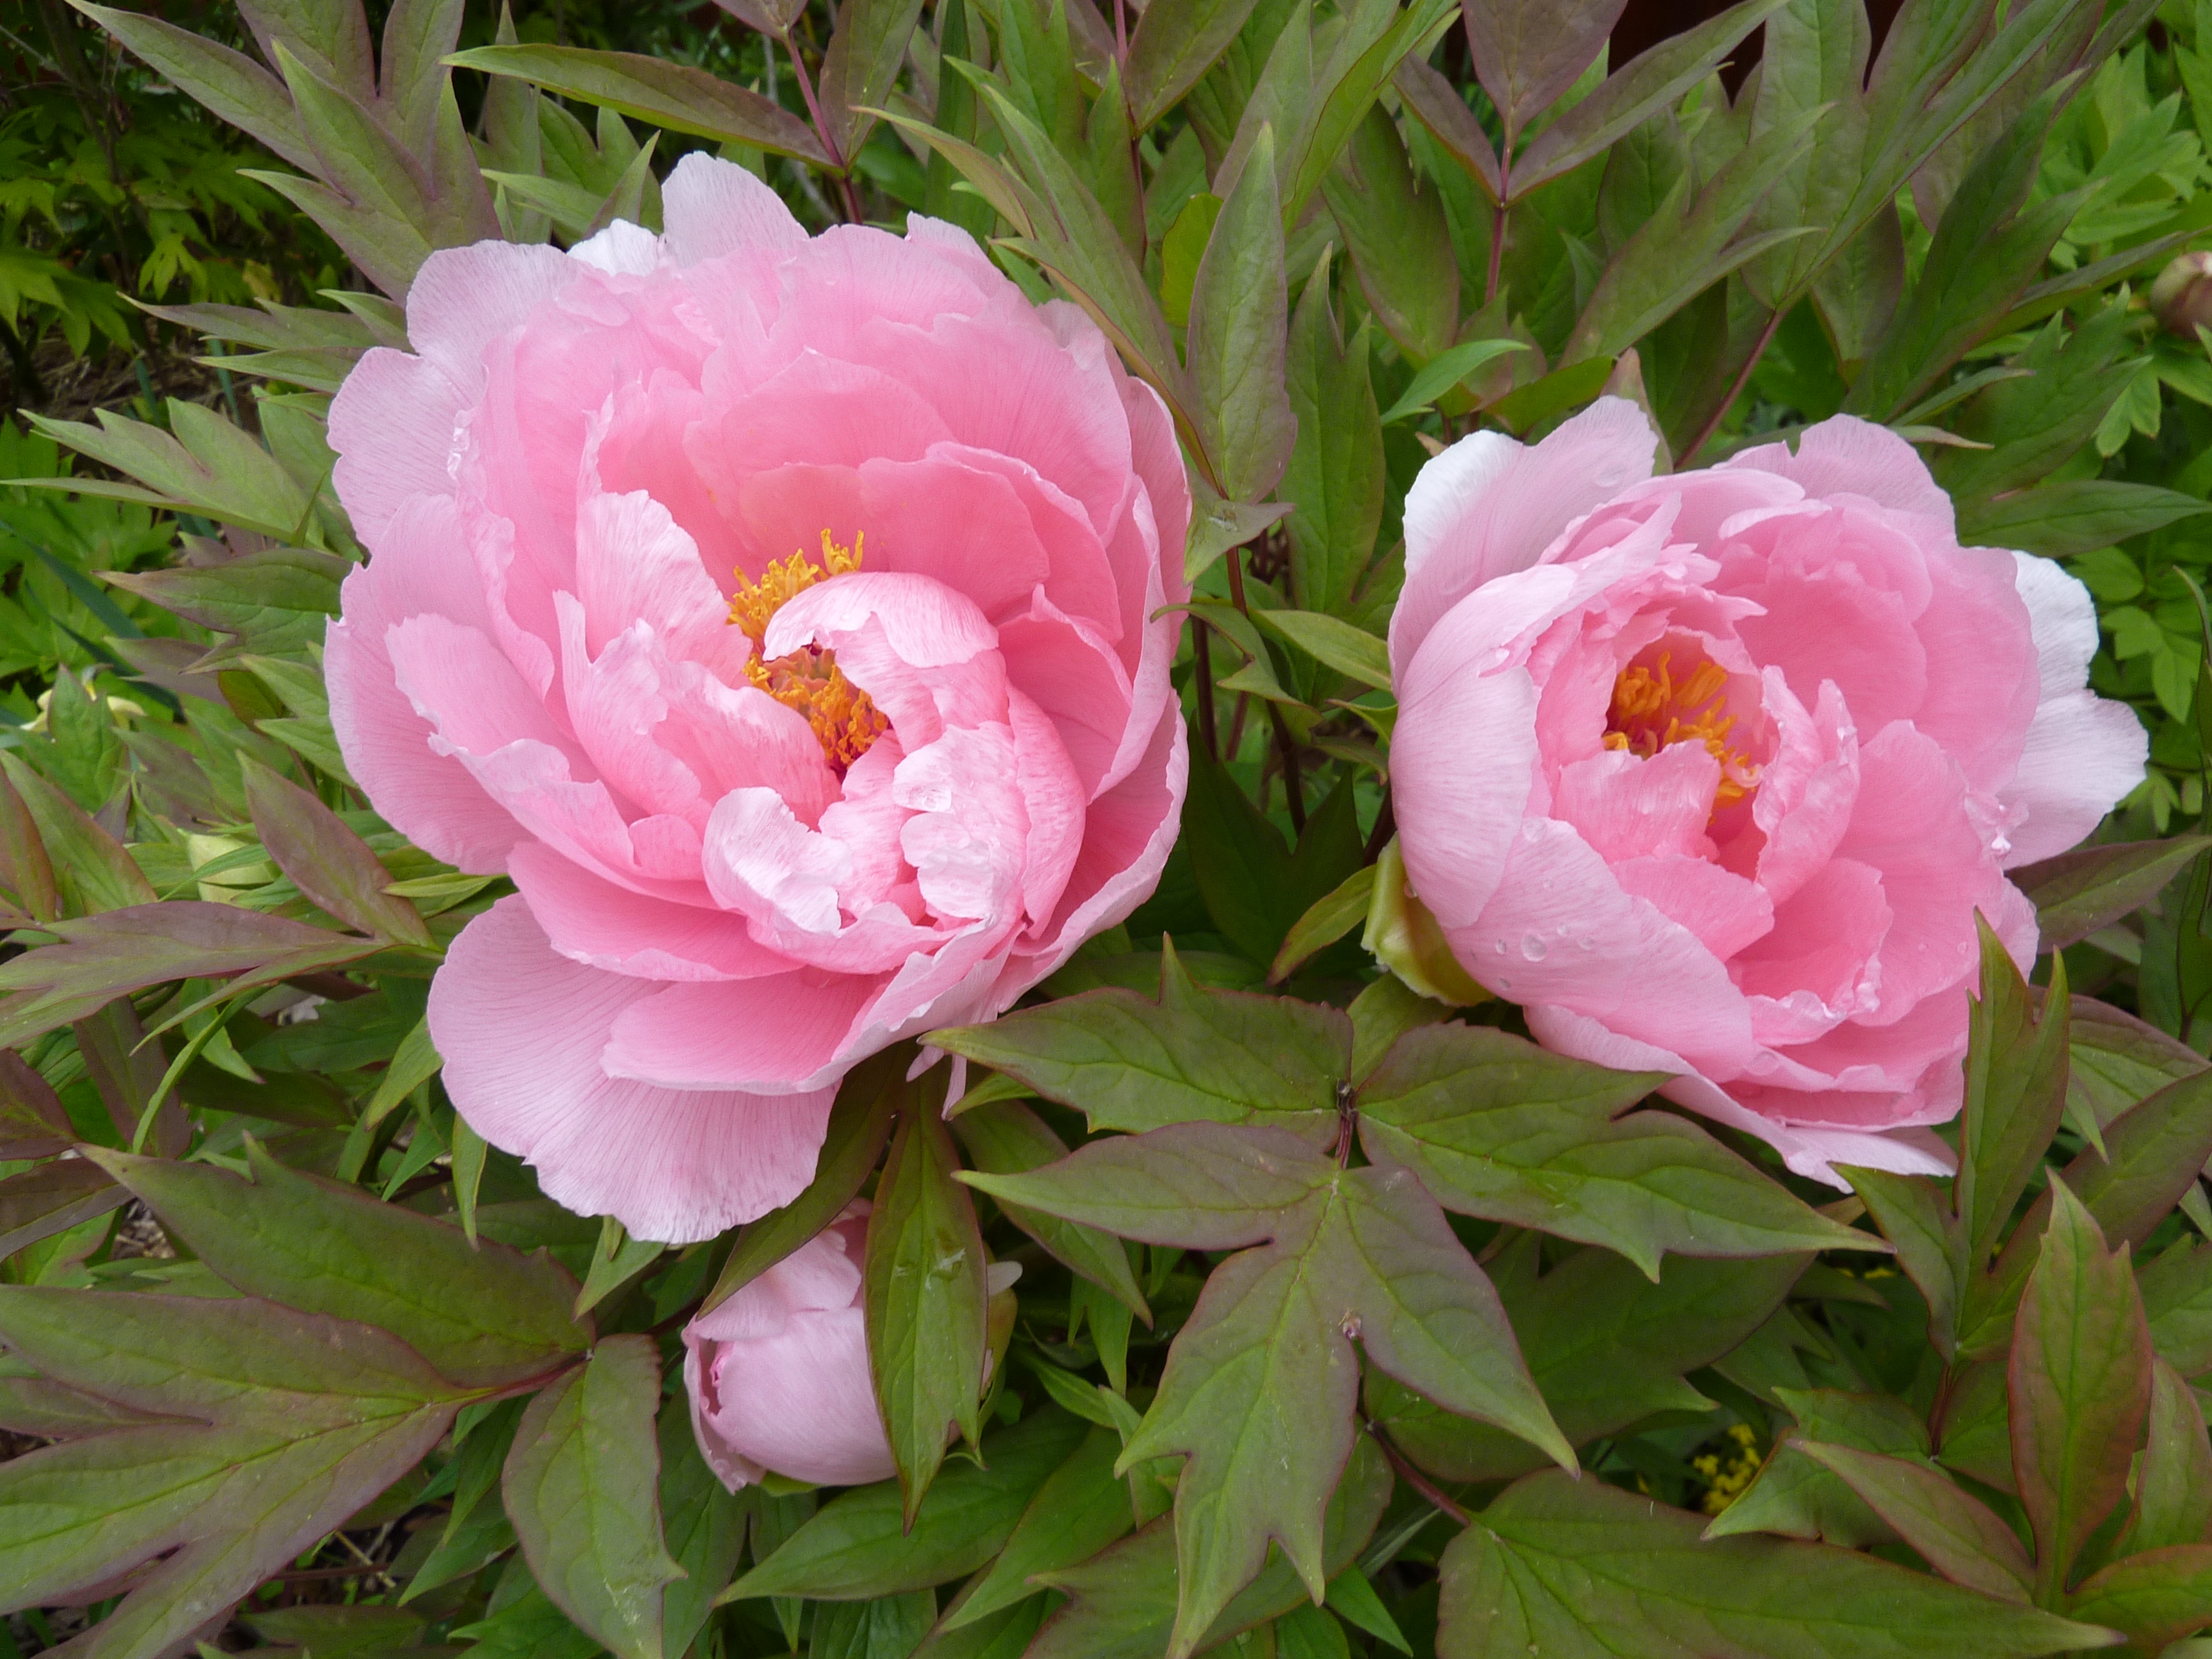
(1711, 772)
(778, 1375)
(778, 612)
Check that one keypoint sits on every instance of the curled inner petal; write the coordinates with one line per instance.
(843, 720)
(1651, 710)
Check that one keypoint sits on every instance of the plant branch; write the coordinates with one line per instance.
(1412, 1476)
(1735, 390)
(1202, 651)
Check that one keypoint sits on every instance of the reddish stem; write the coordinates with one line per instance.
(1735, 390)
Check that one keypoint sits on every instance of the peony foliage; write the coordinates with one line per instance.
(1076, 837)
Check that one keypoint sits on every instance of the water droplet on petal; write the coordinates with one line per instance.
(1535, 947)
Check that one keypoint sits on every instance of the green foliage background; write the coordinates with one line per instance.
(292, 1360)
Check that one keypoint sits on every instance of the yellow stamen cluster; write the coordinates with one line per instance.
(843, 720)
(1650, 712)
(1724, 1484)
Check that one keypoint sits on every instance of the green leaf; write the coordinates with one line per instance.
(1239, 317)
(889, 1627)
(1330, 639)
(283, 1425)
(2152, 1156)
(2177, 1293)
(1625, 99)
(482, 1315)
(866, 50)
(2079, 892)
(1796, 1497)
(616, 1259)
(326, 861)
(2074, 515)
(2015, 1095)
(1527, 54)
(1915, 1216)
(1079, 1510)
(279, 598)
(33, 1123)
(1991, 242)
(1123, 1601)
(93, 872)
(1260, 1384)
(860, 1126)
(705, 1524)
(1328, 921)
(859, 1545)
(1353, 1600)
(51, 1197)
(232, 86)
(1577, 1570)
(2080, 1386)
(100, 957)
(582, 1487)
(1958, 1534)
(2173, 1482)
(1444, 372)
(672, 95)
(1126, 1062)
(2115, 1061)
(1675, 255)
(1400, 245)
(2155, 1597)
(1606, 1347)
(1336, 471)
(924, 1295)
(1384, 1013)
(1006, 1138)
(1172, 47)
(1499, 1129)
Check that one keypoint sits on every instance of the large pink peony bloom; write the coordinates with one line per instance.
(1711, 772)
(778, 613)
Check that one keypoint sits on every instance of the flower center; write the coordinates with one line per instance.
(844, 722)
(1652, 711)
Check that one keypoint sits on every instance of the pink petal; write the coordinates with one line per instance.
(1488, 506)
(1561, 930)
(1823, 940)
(2082, 753)
(522, 1030)
(425, 794)
(1722, 910)
(1127, 834)
(1627, 805)
(1846, 456)
(591, 921)
(392, 421)
(1459, 804)
(713, 207)
(1982, 680)
(800, 1403)
(784, 1034)
(1911, 825)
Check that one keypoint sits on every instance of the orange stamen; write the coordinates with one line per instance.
(843, 720)
(1649, 712)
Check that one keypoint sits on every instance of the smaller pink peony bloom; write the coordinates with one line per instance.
(778, 1375)
(1711, 772)
(790, 618)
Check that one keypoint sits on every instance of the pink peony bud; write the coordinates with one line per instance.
(778, 1375)
(2181, 298)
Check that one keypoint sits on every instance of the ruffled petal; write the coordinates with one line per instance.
(522, 1030)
